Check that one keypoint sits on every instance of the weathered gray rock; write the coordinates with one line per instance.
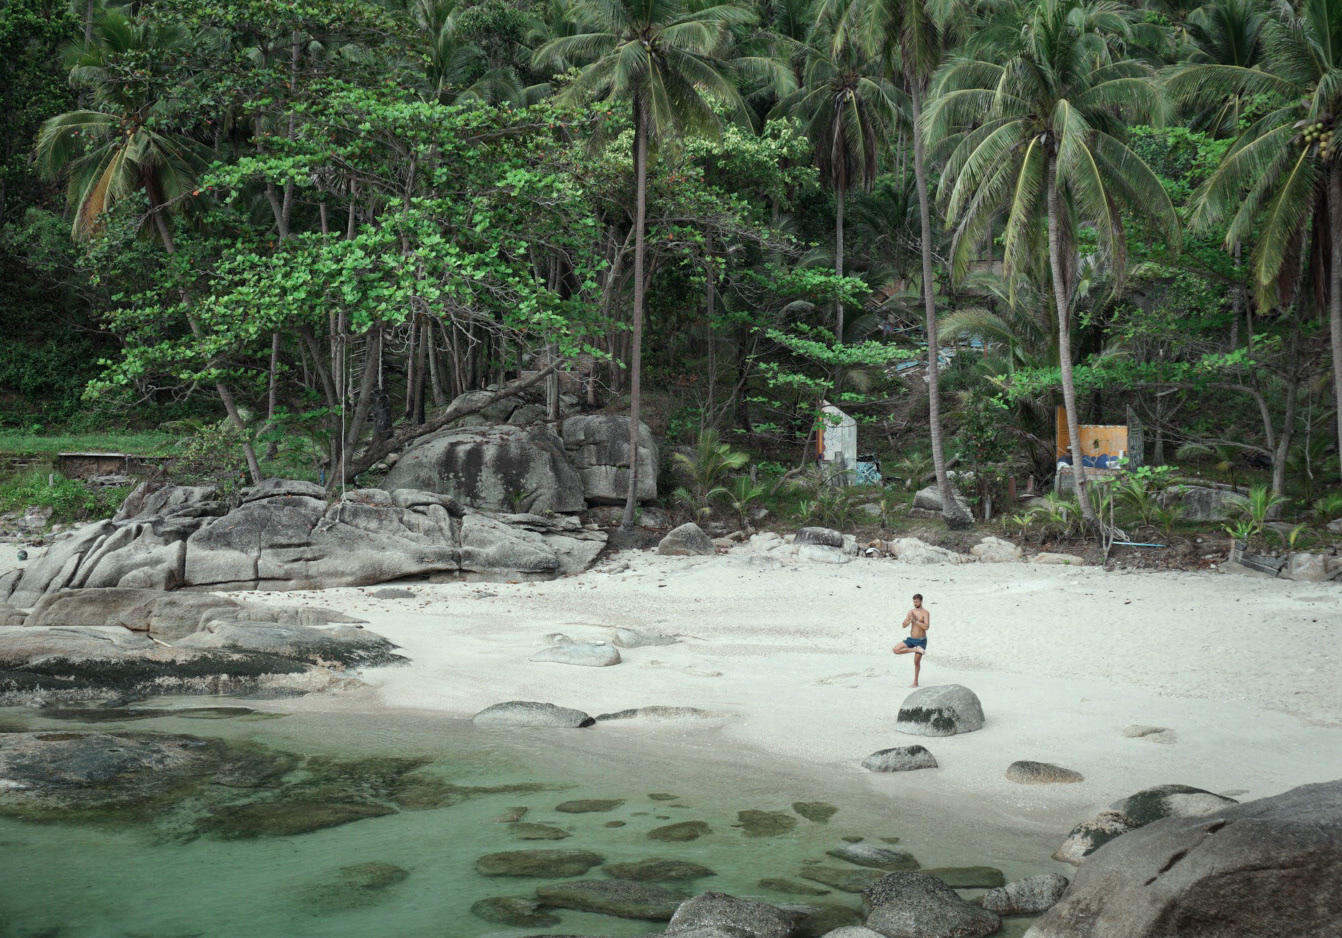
(589, 805)
(517, 911)
(688, 540)
(525, 830)
(995, 550)
(598, 448)
(1305, 567)
(1028, 896)
(11, 615)
(58, 565)
(900, 759)
(1203, 503)
(854, 931)
(1058, 560)
(842, 878)
(941, 710)
(1156, 734)
(636, 638)
(913, 550)
(147, 502)
(495, 468)
(1089, 836)
(1162, 801)
(821, 553)
(531, 713)
(1025, 772)
(351, 647)
(617, 897)
(750, 918)
(1335, 526)
(658, 870)
(659, 714)
(680, 832)
(1267, 867)
(821, 537)
(879, 858)
(969, 877)
(547, 864)
(824, 918)
(916, 905)
(929, 499)
(583, 654)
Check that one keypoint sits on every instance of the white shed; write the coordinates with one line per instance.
(836, 444)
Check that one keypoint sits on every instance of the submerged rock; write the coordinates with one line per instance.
(517, 911)
(589, 805)
(284, 818)
(969, 877)
(880, 858)
(746, 917)
(529, 831)
(941, 710)
(766, 823)
(531, 713)
(352, 887)
(791, 887)
(841, 878)
(818, 811)
(620, 898)
(658, 870)
(1028, 896)
(680, 833)
(547, 864)
(822, 919)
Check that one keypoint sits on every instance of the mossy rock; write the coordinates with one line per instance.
(545, 864)
(817, 811)
(517, 911)
(528, 831)
(845, 880)
(880, 858)
(352, 887)
(766, 823)
(614, 824)
(658, 870)
(969, 877)
(681, 832)
(589, 805)
(619, 898)
(284, 817)
(792, 887)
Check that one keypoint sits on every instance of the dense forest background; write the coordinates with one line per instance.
(298, 230)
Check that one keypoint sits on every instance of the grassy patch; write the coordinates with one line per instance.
(68, 499)
(139, 443)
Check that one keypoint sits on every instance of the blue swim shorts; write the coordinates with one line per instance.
(918, 643)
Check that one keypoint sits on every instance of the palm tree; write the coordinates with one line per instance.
(1225, 32)
(665, 60)
(1034, 116)
(1281, 180)
(846, 108)
(126, 147)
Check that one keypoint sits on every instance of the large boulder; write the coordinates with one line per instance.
(995, 550)
(495, 468)
(916, 905)
(1089, 836)
(913, 550)
(1204, 503)
(929, 499)
(598, 448)
(688, 540)
(1268, 867)
(746, 917)
(1162, 801)
(942, 710)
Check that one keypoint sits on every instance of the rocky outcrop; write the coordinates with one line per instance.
(598, 448)
(284, 536)
(531, 713)
(493, 468)
(688, 540)
(943, 710)
(1268, 867)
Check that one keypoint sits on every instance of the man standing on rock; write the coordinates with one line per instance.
(918, 621)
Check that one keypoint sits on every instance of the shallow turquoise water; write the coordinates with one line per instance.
(80, 882)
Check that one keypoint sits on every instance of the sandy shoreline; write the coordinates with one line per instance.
(797, 659)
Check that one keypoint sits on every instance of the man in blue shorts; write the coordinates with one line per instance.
(918, 621)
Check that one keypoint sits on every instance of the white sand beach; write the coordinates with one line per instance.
(797, 659)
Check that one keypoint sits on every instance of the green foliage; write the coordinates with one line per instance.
(1260, 506)
(743, 496)
(69, 499)
(705, 470)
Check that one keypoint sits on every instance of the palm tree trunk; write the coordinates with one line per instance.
(1335, 286)
(1065, 344)
(838, 269)
(951, 512)
(636, 356)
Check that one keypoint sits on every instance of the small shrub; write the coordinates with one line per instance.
(69, 499)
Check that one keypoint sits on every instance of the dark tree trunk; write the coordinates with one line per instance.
(636, 340)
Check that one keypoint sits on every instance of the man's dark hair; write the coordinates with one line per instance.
(917, 595)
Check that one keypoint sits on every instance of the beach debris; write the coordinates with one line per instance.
(680, 832)
(969, 877)
(1028, 896)
(919, 904)
(748, 917)
(531, 713)
(617, 897)
(658, 870)
(1155, 734)
(1266, 867)
(518, 911)
(818, 811)
(545, 864)
(583, 654)
(941, 710)
(880, 858)
(589, 805)
(1025, 772)
(688, 540)
(765, 823)
(900, 759)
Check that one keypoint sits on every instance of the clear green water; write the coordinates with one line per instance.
(81, 882)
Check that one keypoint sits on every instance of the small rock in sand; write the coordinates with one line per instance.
(1154, 734)
(900, 759)
(634, 638)
(1025, 772)
(584, 654)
